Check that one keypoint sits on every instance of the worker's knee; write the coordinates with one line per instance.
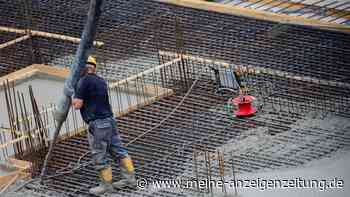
(97, 143)
(98, 150)
(117, 147)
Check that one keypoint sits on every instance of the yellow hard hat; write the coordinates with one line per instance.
(91, 60)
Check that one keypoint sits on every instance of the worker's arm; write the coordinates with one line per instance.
(78, 99)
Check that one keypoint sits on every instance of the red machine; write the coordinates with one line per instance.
(245, 107)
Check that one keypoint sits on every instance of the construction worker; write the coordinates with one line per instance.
(91, 97)
(241, 74)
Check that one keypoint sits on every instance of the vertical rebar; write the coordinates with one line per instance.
(234, 174)
(9, 107)
(27, 123)
(25, 129)
(17, 124)
(195, 160)
(207, 169)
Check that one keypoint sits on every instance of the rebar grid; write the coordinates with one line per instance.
(29, 126)
(204, 122)
(133, 34)
(134, 31)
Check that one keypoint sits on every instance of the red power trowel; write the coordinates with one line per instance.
(243, 101)
(245, 107)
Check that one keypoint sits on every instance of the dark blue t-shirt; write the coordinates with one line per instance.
(93, 90)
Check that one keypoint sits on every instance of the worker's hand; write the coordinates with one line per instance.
(226, 65)
(77, 103)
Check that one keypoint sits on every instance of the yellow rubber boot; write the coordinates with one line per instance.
(105, 184)
(128, 164)
(128, 174)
